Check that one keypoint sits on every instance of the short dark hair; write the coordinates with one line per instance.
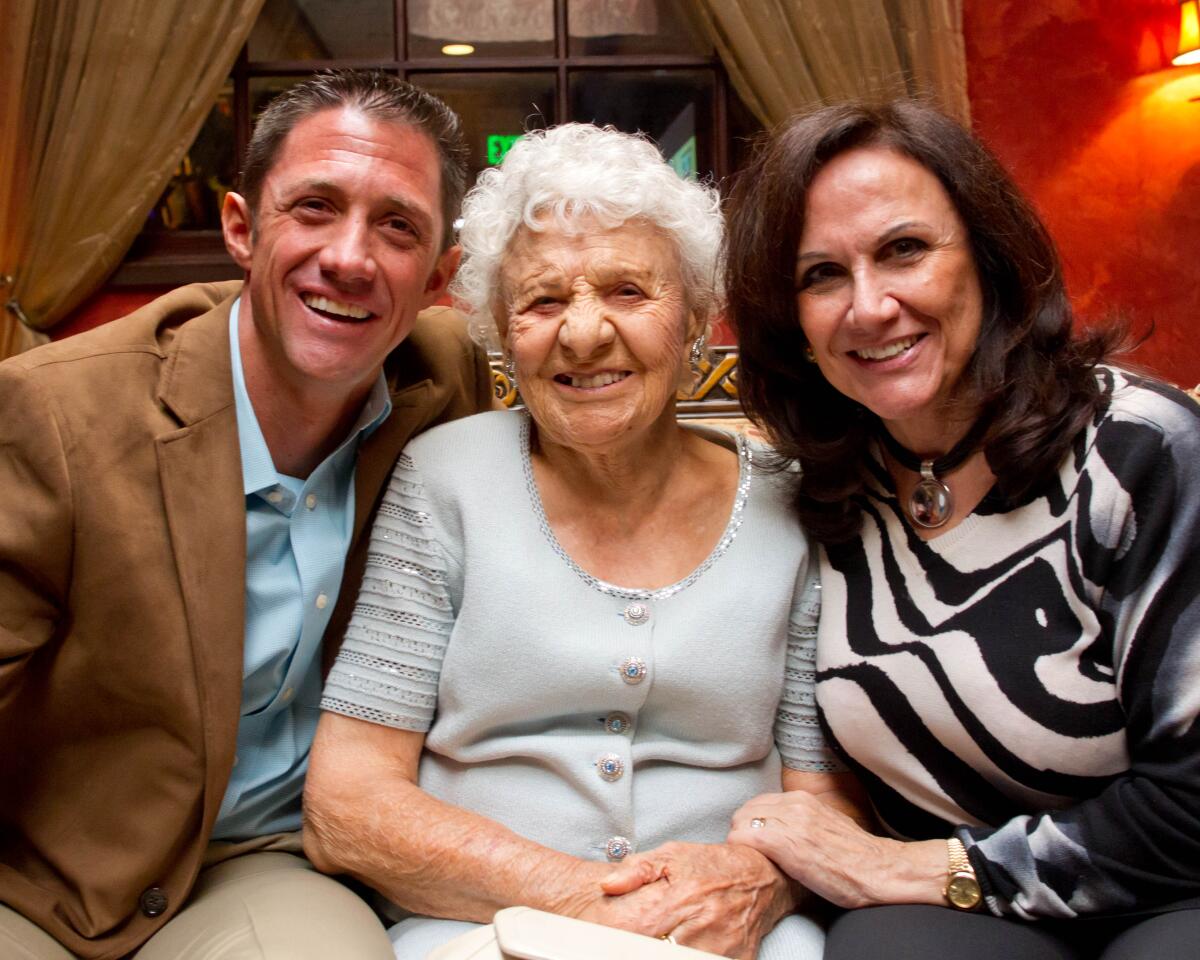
(377, 94)
(1028, 373)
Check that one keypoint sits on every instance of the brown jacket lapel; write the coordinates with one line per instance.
(200, 473)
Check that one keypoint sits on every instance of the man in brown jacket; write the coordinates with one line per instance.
(186, 495)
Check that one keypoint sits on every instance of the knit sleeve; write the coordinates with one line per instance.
(1136, 842)
(797, 733)
(388, 667)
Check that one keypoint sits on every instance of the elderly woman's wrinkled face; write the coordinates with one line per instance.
(887, 289)
(596, 322)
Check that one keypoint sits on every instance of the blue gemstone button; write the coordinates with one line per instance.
(633, 669)
(610, 767)
(617, 848)
(617, 722)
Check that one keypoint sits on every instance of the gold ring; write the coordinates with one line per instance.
(670, 939)
(758, 823)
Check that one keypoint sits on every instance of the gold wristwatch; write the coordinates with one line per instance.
(962, 889)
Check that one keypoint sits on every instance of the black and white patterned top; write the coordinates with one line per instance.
(1031, 678)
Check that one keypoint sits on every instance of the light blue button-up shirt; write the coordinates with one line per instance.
(297, 535)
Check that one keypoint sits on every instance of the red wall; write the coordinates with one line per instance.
(1079, 101)
(105, 305)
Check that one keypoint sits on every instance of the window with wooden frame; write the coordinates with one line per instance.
(506, 66)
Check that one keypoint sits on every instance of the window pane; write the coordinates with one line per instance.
(265, 89)
(673, 106)
(495, 108)
(324, 30)
(193, 198)
(493, 28)
(634, 26)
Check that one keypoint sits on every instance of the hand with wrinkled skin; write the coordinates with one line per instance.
(714, 897)
(436, 859)
(636, 908)
(826, 851)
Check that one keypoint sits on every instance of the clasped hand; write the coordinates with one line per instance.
(715, 897)
(829, 853)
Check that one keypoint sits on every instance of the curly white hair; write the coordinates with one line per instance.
(575, 176)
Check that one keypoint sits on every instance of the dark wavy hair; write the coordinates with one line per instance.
(380, 96)
(1028, 373)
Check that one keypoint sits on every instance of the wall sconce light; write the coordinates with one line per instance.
(465, 49)
(1189, 33)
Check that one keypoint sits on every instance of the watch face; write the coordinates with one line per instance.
(963, 891)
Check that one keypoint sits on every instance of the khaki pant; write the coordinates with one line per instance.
(257, 906)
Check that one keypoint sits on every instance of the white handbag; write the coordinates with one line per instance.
(522, 933)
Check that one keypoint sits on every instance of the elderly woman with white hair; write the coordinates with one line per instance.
(585, 632)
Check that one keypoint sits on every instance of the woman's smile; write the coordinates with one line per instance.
(877, 356)
(592, 382)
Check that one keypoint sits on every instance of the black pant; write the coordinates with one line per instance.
(912, 932)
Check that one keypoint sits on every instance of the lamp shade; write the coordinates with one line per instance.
(1189, 33)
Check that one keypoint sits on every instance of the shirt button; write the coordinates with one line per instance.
(322, 601)
(153, 901)
(287, 694)
(275, 496)
(617, 848)
(310, 501)
(636, 614)
(617, 722)
(610, 767)
(633, 670)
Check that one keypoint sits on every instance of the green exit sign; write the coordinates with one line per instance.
(498, 144)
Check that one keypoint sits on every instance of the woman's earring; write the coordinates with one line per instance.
(809, 355)
(510, 371)
(697, 353)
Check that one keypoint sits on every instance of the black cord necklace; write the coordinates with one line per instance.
(931, 503)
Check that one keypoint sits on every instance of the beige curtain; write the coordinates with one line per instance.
(786, 55)
(14, 336)
(99, 99)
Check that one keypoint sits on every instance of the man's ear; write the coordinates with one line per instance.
(442, 274)
(237, 224)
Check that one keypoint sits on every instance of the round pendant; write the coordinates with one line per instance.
(931, 503)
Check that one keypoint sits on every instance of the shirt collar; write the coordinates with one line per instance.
(258, 469)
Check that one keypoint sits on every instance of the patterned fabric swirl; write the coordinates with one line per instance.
(1031, 679)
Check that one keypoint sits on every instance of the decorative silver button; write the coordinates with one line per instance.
(633, 669)
(636, 614)
(610, 767)
(617, 722)
(617, 848)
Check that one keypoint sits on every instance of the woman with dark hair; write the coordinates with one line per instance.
(1009, 646)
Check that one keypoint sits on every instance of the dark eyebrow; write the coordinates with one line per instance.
(320, 186)
(886, 237)
(811, 255)
(899, 228)
(409, 209)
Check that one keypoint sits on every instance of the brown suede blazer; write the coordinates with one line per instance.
(122, 589)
